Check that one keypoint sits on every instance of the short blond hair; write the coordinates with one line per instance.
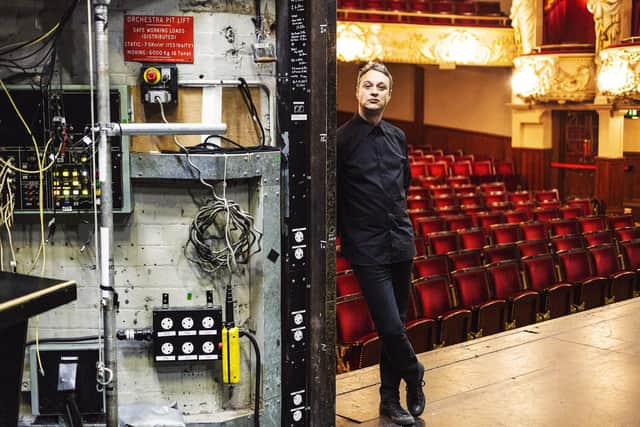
(376, 66)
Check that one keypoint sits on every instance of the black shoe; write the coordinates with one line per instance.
(415, 394)
(396, 413)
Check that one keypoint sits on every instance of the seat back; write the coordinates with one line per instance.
(605, 259)
(503, 252)
(418, 202)
(620, 221)
(438, 169)
(420, 248)
(347, 284)
(592, 223)
(540, 271)
(487, 219)
(418, 169)
(627, 233)
(461, 168)
(546, 214)
(353, 320)
(504, 168)
(473, 238)
(469, 199)
(482, 168)
(445, 200)
(631, 254)
(471, 286)
(516, 197)
(562, 227)
(516, 216)
(434, 265)
(494, 197)
(546, 195)
(342, 264)
(534, 230)
(433, 296)
(505, 276)
(458, 181)
(491, 187)
(430, 224)
(563, 243)
(458, 222)
(571, 212)
(505, 233)
(414, 214)
(532, 247)
(575, 264)
(585, 205)
(443, 242)
(598, 237)
(440, 190)
(465, 258)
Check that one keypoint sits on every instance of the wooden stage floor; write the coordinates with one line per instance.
(578, 370)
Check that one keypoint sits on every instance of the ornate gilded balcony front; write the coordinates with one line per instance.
(464, 40)
(560, 73)
(619, 75)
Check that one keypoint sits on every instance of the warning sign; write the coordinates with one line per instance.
(150, 38)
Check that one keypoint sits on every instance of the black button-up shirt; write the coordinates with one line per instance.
(373, 177)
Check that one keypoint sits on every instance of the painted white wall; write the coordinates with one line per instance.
(469, 98)
(631, 135)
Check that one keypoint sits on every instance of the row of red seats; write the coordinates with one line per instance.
(448, 307)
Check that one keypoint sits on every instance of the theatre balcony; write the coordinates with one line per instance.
(556, 73)
(443, 33)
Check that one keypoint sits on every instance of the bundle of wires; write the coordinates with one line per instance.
(35, 57)
(222, 233)
(7, 203)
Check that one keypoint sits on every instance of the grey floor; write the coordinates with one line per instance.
(578, 370)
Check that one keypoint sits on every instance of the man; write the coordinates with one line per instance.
(376, 235)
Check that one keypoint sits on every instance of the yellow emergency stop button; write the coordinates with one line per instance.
(151, 75)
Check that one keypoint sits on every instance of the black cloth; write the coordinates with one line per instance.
(386, 289)
(373, 177)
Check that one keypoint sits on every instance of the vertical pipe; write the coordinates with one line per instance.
(108, 297)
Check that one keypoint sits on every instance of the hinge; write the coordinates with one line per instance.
(323, 28)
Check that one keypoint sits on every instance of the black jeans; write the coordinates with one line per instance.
(386, 290)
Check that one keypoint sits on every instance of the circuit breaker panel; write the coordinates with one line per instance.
(60, 122)
(186, 334)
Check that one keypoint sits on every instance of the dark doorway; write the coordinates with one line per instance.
(575, 145)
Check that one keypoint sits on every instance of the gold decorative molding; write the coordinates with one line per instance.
(555, 77)
(425, 44)
(619, 74)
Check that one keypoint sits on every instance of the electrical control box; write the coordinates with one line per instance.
(68, 368)
(65, 116)
(159, 84)
(186, 334)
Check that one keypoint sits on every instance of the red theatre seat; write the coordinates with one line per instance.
(418, 169)
(435, 301)
(347, 284)
(438, 169)
(607, 263)
(418, 202)
(461, 168)
(420, 247)
(482, 171)
(458, 222)
(472, 287)
(465, 258)
(627, 233)
(434, 265)
(561, 227)
(546, 195)
(342, 264)
(564, 243)
(507, 284)
(576, 267)
(631, 257)
(585, 205)
(546, 213)
(592, 223)
(598, 237)
(443, 242)
(620, 221)
(567, 212)
(516, 197)
(534, 230)
(503, 252)
(532, 247)
(430, 224)
(516, 216)
(358, 345)
(473, 238)
(541, 275)
(505, 233)
(420, 330)
(487, 219)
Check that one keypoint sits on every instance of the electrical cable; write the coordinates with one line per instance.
(256, 347)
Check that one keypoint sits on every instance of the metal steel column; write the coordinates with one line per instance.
(322, 301)
(108, 300)
(306, 104)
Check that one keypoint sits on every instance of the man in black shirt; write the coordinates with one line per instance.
(376, 235)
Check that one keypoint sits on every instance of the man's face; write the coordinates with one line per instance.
(373, 92)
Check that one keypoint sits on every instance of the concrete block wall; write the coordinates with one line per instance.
(148, 252)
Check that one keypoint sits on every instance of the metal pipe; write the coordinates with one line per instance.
(166, 129)
(108, 296)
